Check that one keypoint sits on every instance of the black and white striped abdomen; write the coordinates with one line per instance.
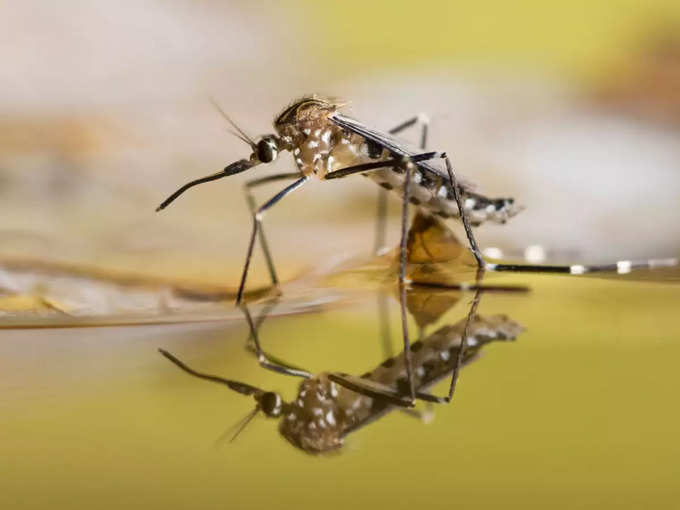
(435, 196)
(435, 356)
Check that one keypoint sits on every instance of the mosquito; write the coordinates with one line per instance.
(331, 405)
(328, 144)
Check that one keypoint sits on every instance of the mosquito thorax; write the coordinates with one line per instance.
(271, 404)
(315, 421)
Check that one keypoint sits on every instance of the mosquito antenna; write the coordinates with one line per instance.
(238, 426)
(239, 132)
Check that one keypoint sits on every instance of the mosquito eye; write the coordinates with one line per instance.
(271, 403)
(266, 150)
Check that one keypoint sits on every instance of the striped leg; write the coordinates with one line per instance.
(408, 167)
(249, 185)
(257, 225)
(381, 221)
(265, 360)
(463, 215)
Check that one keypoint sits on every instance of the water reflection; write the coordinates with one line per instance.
(326, 410)
(331, 405)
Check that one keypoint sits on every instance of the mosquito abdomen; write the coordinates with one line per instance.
(435, 196)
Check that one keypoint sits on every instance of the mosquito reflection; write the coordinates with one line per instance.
(329, 406)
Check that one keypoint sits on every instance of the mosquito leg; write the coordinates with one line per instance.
(381, 221)
(371, 389)
(463, 343)
(384, 323)
(460, 355)
(377, 165)
(266, 310)
(426, 415)
(264, 359)
(424, 121)
(249, 185)
(408, 167)
(463, 215)
(619, 267)
(358, 384)
(257, 220)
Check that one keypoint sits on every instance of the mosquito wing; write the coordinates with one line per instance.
(396, 147)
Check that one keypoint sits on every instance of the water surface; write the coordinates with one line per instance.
(578, 411)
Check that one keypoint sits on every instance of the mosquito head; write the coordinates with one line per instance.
(271, 403)
(266, 150)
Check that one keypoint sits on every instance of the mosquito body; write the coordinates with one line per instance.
(326, 410)
(327, 144)
(324, 141)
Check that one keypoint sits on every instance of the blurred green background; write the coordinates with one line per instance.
(578, 40)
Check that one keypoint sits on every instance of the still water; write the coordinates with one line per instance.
(579, 411)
